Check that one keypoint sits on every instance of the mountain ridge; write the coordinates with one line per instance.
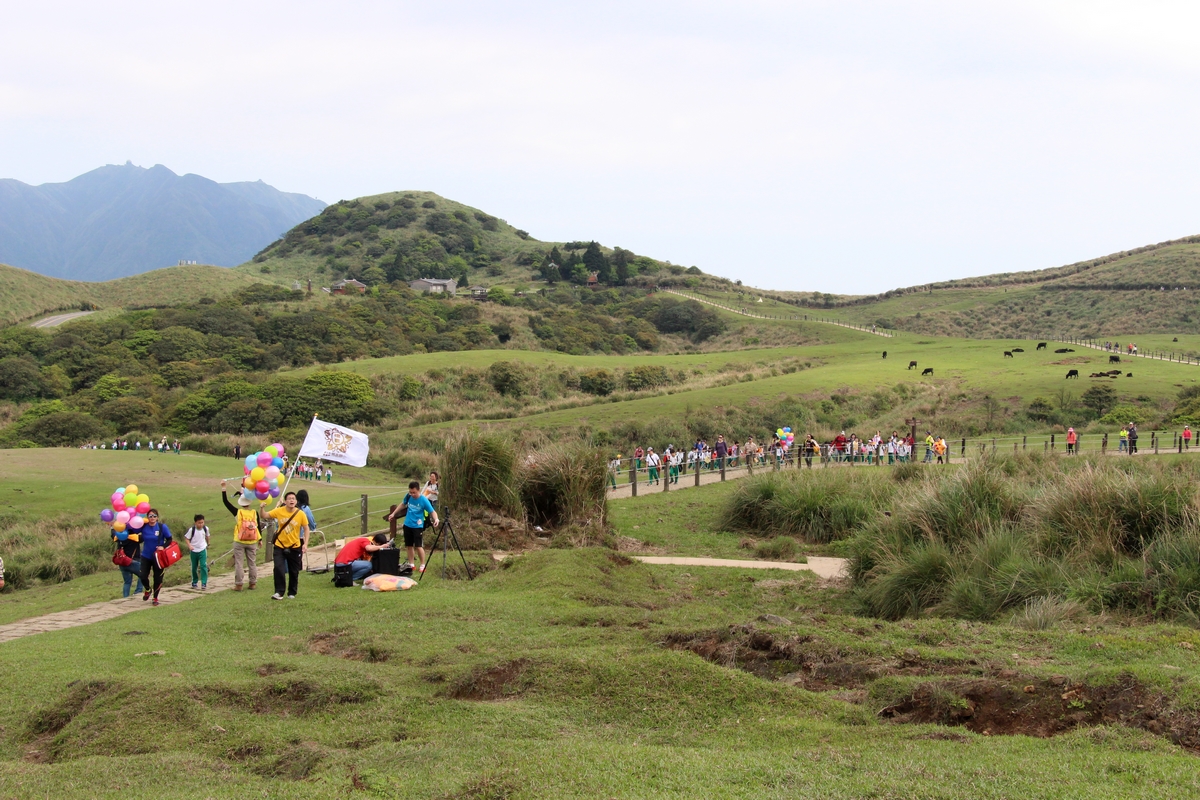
(122, 220)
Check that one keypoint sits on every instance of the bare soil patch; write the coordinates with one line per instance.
(497, 682)
(340, 645)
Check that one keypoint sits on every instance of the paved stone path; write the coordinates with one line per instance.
(110, 609)
(824, 567)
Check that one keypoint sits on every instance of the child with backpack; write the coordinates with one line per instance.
(198, 538)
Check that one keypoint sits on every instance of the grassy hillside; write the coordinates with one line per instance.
(26, 295)
(1155, 289)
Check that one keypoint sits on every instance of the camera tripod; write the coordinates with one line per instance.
(445, 533)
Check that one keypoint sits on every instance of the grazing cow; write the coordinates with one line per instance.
(1114, 359)
(1176, 339)
(1114, 372)
(885, 353)
(912, 365)
(1128, 375)
(1072, 373)
(928, 371)
(1062, 350)
(1041, 346)
(1008, 354)
(1018, 350)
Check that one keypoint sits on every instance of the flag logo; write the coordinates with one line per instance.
(337, 441)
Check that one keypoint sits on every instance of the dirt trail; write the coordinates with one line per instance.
(824, 567)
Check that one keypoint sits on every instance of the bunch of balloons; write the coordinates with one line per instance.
(128, 508)
(786, 435)
(263, 470)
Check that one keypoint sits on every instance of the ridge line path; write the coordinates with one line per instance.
(825, 567)
(59, 319)
(743, 312)
(1156, 356)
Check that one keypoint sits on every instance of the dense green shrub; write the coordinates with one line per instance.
(646, 377)
(598, 381)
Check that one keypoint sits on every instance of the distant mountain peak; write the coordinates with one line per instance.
(120, 220)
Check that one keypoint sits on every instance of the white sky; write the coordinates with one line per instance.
(838, 146)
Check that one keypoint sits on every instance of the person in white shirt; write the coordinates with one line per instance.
(197, 538)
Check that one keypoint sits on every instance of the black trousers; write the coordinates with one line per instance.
(288, 561)
(148, 565)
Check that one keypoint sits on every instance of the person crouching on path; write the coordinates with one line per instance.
(198, 538)
(357, 552)
(415, 507)
(291, 543)
(155, 536)
(247, 533)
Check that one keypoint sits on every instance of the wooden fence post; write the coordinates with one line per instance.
(722, 465)
(1052, 441)
(697, 469)
(362, 510)
(1104, 445)
(1024, 442)
(1154, 441)
(633, 479)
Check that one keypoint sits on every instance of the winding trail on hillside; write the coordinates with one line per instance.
(59, 319)
(801, 318)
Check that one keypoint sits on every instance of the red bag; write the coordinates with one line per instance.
(168, 555)
(120, 559)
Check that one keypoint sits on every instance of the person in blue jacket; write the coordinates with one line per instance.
(155, 536)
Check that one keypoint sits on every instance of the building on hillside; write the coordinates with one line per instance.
(593, 280)
(347, 286)
(479, 293)
(433, 286)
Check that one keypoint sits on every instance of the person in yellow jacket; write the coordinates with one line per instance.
(939, 449)
(247, 533)
(1124, 443)
(290, 545)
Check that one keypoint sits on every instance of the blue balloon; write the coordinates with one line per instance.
(252, 461)
(122, 536)
(277, 462)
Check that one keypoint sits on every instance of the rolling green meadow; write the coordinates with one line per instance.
(1012, 624)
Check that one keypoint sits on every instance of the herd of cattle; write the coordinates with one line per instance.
(1071, 373)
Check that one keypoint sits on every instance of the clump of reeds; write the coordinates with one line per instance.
(565, 485)
(479, 468)
(817, 506)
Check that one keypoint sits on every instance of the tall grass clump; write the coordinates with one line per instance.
(479, 468)
(565, 485)
(51, 550)
(1021, 534)
(817, 506)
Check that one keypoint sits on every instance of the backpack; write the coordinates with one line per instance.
(342, 576)
(245, 530)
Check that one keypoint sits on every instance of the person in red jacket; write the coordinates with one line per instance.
(357, 553)
(1072, 438)
(1187, 437)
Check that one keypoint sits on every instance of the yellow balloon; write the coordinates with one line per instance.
(131, 489)
(257, 474)
(143, 498)
(118, 526)
(248, 483)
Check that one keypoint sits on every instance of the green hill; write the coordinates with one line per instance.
(27, 295)
(1152, 289)
(402, 236)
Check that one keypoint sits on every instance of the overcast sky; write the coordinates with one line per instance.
(836, 146)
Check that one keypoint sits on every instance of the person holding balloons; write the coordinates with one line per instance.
(126, 521)
(155, 536)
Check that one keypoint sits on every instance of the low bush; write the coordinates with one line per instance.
(817, 506)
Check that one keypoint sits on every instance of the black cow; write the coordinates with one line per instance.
(1018, 350)
(1114, 359)
(1072, 373)
(912, 365)
(1128, 375)
(1176, 339)
(1098, 375)
(1114, 372)
(1041, 346)
(1008, 354)
(928, 371)
(885, 353)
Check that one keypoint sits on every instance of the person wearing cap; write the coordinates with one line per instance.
(614, 467)
(1187, 437)
(247, 533)
(1133, 437)
(1072, 438)
(928, 447)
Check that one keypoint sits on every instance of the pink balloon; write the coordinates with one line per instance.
(279, 447)
(142, 508)
(136, 522)
(261, 487)
(272, 473)
(247, 470)
(123, 517)
(117, 496)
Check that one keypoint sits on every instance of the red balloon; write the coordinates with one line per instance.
(262, 486)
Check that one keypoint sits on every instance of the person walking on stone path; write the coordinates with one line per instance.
(302, 504)
(247, 533)
(1123, 439)
(614, 467)
(198, 538)
(1133, 437)
(1187, 437)
(131, 547)
(1072, 438)
(652, 462)
(290, 545)
(155, 536)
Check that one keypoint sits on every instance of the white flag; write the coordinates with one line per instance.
(330, 442)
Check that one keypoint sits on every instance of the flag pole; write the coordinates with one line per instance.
(291, 471)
